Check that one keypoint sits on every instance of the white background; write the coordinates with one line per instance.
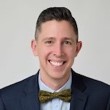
(17, 26)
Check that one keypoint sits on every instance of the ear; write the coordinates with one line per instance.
(78, 47)
(34, 47)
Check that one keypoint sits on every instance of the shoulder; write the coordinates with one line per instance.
(91, 84)
(94, 83)
(18, 87)
(96, 92)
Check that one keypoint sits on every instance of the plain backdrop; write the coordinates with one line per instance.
(17, 26)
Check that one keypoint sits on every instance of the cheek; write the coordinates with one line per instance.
(43, 52)
(71, 53)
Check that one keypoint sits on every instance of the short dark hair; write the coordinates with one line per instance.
(56, 13)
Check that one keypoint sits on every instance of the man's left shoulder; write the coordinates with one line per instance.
(91, 83)
(95, 84)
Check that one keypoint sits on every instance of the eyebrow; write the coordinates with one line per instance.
(48, 38)
(66, 38)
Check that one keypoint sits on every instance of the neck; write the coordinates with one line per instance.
(54, 84)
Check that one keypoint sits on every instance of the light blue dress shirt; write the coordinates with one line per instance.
(55, 104)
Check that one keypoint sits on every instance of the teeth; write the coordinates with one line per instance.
(56, 63)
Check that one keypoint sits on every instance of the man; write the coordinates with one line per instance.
(56, 44)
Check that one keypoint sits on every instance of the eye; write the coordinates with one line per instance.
(68, 42)
(48, 42)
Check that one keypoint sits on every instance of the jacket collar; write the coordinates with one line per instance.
(78, 97)
(31, 101)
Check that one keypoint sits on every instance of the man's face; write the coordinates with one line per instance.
(56, 48)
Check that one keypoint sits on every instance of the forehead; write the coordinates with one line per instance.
(57, 27)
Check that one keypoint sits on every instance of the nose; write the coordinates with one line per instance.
(58, 50)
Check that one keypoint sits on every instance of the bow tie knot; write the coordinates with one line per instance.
(64, 95)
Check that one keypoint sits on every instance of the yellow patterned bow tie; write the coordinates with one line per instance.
(64, 95)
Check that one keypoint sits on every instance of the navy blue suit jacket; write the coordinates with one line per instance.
(87, 94)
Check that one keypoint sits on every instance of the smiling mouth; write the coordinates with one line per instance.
(57, 63)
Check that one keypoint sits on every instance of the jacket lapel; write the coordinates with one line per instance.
(30, 103)
(78, 97)
(30, 100)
